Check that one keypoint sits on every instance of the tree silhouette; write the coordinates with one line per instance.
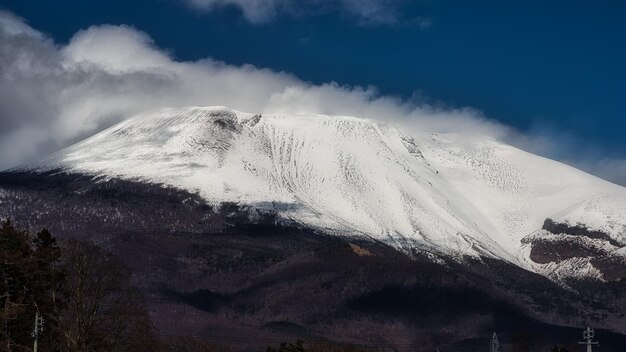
(83, 293)
(30, 282)
(103, 311)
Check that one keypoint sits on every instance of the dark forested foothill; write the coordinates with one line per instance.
(239, 277)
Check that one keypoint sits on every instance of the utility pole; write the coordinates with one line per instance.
(37, 330)
(495, 345)
(588, 335)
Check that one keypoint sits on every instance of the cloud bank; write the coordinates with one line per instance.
(53, 95)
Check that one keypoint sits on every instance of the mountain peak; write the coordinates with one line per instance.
(452, 194)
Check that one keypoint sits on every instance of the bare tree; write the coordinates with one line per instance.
(103, 311)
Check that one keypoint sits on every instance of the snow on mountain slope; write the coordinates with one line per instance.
(512, 192)
(454, 194)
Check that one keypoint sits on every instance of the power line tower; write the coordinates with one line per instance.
(37, 330)
(495, 345)
(588, 335)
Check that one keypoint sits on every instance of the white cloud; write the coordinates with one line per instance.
(255, 11)
(372, 11)
(53, 95)
(116, 49)
(15, 26)
(262, 11)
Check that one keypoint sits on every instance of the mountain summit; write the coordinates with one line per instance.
(336, 228)
(455, 195)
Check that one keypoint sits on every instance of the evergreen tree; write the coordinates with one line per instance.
(15, 263)
(495, 345)
(28, 282)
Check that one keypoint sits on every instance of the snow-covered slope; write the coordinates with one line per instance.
(452, 194)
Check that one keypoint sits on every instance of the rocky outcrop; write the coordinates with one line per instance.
(571, 254)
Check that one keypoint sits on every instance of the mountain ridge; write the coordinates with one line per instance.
(221, 268)
(453, 194)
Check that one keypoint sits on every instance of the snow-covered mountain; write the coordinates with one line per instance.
(456, 195)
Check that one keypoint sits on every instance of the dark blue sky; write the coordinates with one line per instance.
(530, 64)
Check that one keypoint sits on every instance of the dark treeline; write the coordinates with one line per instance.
(83, 294)
(86, 299)
(89, 304)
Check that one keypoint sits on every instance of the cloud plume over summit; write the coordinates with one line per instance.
(52, 95)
